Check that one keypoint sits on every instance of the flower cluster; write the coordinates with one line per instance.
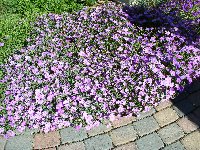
(82, 68)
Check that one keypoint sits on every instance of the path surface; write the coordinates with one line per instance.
(172, 125)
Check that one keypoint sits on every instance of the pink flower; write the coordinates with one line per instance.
(147, 108)
(10, 133)
(1, 44)
(78, 127)
(120, 109)
(21, 129)
(108, 125)
(1, 130)
(112, 117)
(81, 53)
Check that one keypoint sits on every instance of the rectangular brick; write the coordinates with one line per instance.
(191, 141)
(123, 135)
(121, 121)
(20, 142)
(46, 140)
(171, 133)
(70, 134)
(146, 126)
(175, 146)
(150, 142)
(73, 146)
(2, 142)
(102, 128)
(166, 116)
(146, 114)
(163, 105)
(103, 142)
(187, 125)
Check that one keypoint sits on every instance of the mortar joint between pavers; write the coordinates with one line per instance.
(121, 145)
(187, 135)
(60, 136)
(182, 128)
(111, 139)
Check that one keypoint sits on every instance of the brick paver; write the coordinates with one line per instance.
(27, 131)
(129, 146)
(171, 133)
(73, 146)
(99, 142)
(146, 126)
(70, 134)
(175, 146)
(2, 142)
(150, 142)
(187, 125)
(123, 135)
(163, 105)
(46, 140)
(123, 121)
(98, 130)
(166, 116)
(21, 142)
(191, 141)
(146, 114)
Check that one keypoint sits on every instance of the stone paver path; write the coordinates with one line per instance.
(172, 125)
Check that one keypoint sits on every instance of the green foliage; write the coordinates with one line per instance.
(25, 7)
(15, 23)
(16, 16)
(147, 3)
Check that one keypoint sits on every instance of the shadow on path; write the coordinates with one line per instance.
(188, 102)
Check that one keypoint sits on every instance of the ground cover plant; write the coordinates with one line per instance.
(79, 69)
(16, 17)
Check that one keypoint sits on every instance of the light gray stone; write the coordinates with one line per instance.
(146, 126)
(150, 142)
(146, 114)
(171, 133)
(2, 142)
(21, 142)
(99, 142)
(70, 134)
(175, 146)
(123, 135)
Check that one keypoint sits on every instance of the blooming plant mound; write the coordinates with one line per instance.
(82, 68)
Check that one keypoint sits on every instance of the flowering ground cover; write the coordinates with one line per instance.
(79, 69)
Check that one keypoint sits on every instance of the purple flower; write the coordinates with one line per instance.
(1, 44)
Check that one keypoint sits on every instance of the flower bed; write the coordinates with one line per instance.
(80, 69)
